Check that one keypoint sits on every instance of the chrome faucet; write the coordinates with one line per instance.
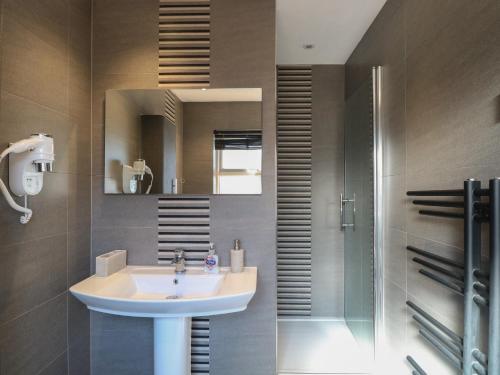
(179, 261)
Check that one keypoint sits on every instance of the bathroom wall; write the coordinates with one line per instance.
(200, 121)
(243, 55)
(45, 87)
(327, 292)
(125, 55)
(441, 125)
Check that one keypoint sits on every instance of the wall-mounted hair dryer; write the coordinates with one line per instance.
(29, 158)
(132, 174)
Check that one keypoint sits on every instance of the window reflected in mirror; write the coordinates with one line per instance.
(237, 162)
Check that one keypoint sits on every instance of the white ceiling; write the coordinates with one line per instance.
(218, 95)
(334, 27)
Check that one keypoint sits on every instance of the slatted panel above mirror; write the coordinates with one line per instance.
(294, 134)
(184, 43)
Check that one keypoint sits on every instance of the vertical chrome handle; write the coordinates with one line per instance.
(343, 201)
(341, 211)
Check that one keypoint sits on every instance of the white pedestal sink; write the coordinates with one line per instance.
(171, 300)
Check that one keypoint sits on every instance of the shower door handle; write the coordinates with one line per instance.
(343, 202)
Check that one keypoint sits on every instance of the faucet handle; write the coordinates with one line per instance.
(178, 255)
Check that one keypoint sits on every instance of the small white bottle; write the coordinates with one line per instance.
(212, 260)
(237, 257)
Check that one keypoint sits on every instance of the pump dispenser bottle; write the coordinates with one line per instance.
(212, 260)
(237, 257)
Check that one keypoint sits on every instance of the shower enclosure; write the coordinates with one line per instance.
(361, 211)
(321, 329)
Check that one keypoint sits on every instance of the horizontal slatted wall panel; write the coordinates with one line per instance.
(294, 130)
(184, 43)
(169, 105)
(184, 222)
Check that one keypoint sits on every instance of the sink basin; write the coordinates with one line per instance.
(171, 299)
(159, 292)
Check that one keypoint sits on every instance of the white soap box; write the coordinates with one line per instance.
(109, 263)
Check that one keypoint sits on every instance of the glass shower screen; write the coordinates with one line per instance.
(360, 204)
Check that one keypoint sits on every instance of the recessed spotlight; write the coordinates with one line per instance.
(308, 46)
(203, 89)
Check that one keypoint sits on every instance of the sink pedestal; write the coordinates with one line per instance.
(172, 346)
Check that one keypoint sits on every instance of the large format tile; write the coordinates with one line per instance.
(79, 253)
(79, 358)
(121, 345)
(50, 213)
(383, 44)
(78, 322)
(141, 244)
(119, 210)
(58, 367)
(30, 274)
(21, 117)
(79, 198)
(394, 255)
(33, 341)
(35, 50)
(125, 37)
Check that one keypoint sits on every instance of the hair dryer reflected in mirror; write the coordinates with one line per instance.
(132, 175)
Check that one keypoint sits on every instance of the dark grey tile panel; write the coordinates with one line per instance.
(35, 50)
(58, 367)
(50, 213)
(21, 117)
(125, 37)
(30, 274)
(79, 253)
(114, 211)
(31, 342)
(79, 358)
(78, 322)
(141, 244)
(121, 346)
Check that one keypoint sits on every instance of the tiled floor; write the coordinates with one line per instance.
(307, 347)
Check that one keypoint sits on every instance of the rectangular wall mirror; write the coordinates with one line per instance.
(183, 141)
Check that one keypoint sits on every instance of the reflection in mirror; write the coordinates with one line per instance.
(183, 141)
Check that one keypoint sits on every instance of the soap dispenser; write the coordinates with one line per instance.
(237, 257)
(212, 260)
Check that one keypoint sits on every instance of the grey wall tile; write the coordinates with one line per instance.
(79, 247)
(28, 344)
(22, 117)
(45, 81)
(126, 37)
(58, 367)
(121, 346)
(141, 244)
(79, 322)
(50, 213)
(110, 211)
(35, 35)
(79, 358)
(395, 257)
(31, 273)
(251, 219)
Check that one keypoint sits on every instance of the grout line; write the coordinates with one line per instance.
(55, 359)
(35, 239)
(32, 309)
